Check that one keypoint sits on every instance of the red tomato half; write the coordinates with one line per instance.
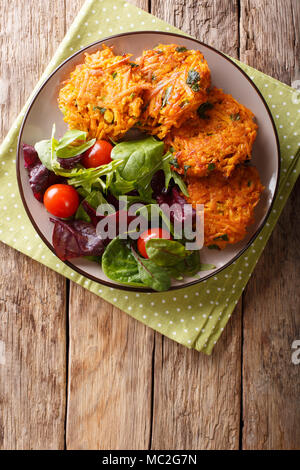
(151, 233)
(97, 155)
(61, 200)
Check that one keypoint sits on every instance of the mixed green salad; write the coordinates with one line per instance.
(74, 176)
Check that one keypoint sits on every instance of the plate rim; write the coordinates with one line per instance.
(122, 286)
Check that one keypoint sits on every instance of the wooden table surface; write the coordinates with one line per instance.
(76, 372)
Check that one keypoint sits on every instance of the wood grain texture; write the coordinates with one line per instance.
(110, 376)
(212, 21)
(32, 297)
(33, 352)
(271, 413)
(110, 371)
(199, 395)
(269, 37)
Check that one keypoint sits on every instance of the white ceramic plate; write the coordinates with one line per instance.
(43, 112)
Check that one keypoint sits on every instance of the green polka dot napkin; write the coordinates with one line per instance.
(194, 316)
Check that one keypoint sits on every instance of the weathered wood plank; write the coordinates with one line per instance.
(269, 37)
(32, 298)
(110, 371)
(270, 42)
(212, 21)
(197, 398)
(110, 376)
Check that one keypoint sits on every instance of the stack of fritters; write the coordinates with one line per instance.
(166, 92)
(212, 150)
(218, 136)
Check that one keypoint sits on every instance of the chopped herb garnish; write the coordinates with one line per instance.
(210, 133)
(213, 247)
(138, 123)
(158, 51)
(195, 87)
(249, 183)
(186, 167)
(184, 103)
(114, 74)
(132, 65)
(222, 237)
(235, 117)
(201, 111)
(181, 49)
(174, 162)
(153, 78)
(166, 97)
(102, 110)
(193, 80)
(211, 167)
(132, 95)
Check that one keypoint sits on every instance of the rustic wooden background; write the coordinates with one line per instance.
(80, 374)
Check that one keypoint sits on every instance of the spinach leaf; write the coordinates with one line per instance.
(190, 265)
(165, 252)
(140, 161)
(69, 151)
(119, 264)
(69, 137)
(138, 156)
(119, 186)
(152, 275)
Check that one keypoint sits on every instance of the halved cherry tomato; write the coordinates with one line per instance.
(97, 155)
(61, 200)
(147, 235)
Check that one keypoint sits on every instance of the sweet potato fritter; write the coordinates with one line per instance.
(228, 203)
(103, 95)
(219, 136)
(179, 81)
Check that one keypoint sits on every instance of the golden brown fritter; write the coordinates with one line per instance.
(219, 136)
(179, 81)
(228, 203)
(103, 95)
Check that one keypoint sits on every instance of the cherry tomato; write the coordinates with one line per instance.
(151, 233)
(97, 155)
(61, 200)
